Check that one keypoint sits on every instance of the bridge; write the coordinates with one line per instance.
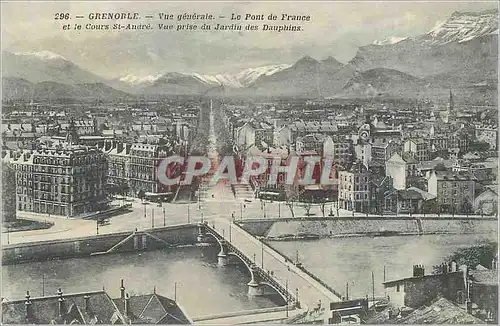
(306, 297)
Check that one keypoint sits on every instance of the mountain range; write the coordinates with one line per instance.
(460, 53)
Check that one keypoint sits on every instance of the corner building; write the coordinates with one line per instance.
(67, 180)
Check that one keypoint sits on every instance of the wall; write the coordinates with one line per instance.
(85, 246)
(423, 290)
(486, 297)
(397, 297)
(8, 192)
(260, 228)
(368, 226)
(396, 168)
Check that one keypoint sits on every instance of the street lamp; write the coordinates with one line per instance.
(152, 217)
(164, 218)
(262, 254)
(286, 295)
(97, 226)
(279, 209)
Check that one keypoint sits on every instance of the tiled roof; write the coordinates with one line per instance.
(441, 311)
(101, 309)
(152, 308)
(408, 158)
(453, 176)
(425, 195)
(45, 310)
(487, 277)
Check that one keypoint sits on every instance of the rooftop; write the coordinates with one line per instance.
(93, 308)
(441, 311)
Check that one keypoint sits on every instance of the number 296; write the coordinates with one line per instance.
(61, 16)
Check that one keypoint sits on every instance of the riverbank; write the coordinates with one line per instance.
(311, 229)
(165, 237)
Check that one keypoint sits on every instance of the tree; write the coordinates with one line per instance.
(307, 204)
(124, 188)
(479, 146)
(289, 203)
(478, 254)
(291, 194)
(323, 203)
(440, 167)
(141, 194)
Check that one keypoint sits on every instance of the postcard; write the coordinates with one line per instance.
(257, 162)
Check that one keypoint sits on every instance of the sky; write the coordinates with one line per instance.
(336, 29)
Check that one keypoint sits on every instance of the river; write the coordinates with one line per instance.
(205, 289)
(337, 261)
(202, 287)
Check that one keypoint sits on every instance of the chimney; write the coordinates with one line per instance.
(454, 266)
(469, 307)
(87, 303)
(418, 271)
(61, 302)
(127, 306)
(122, 290)
(27, 305)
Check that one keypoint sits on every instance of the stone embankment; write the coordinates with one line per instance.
(292, 229)
(152, 239)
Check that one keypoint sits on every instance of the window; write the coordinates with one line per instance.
(397, 288)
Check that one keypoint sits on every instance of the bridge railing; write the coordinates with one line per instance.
(302, 268)
(262, 274)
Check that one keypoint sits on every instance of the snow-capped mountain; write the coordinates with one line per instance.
(44, 66)
(250, 75)
(464, 26)
(390, 40)
(44, 55)
(135, 80)
(463, 47)
(240, 79)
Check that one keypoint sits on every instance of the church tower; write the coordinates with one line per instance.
(450, 111)
(451, 105)
(72, 134)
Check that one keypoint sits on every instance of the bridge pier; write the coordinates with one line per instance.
(222, 256)
(254, 287)
(201, 237)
